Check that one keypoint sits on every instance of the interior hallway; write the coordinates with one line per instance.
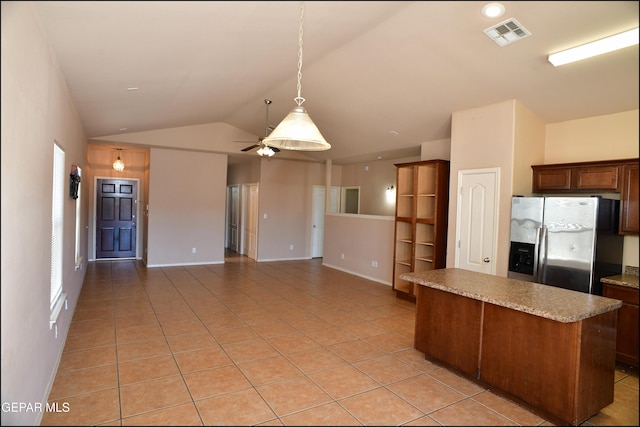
(273, 343)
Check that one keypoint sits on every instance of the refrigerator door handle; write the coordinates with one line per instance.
(542, 253)
(536, 255)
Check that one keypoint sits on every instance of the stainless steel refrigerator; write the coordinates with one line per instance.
(567, 242)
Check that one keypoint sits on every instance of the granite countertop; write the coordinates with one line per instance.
(553, 303)
(628, 279)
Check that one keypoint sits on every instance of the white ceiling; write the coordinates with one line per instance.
(369, 67)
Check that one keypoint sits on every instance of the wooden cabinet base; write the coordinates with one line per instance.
(627, 337)
(563, 370)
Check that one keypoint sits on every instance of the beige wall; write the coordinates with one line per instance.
(373, 178)
(610, 137)
(483, 138)
(529, 136)
(37, 110)
(436, 150)
(286, 199)
(362, 239)
(187, 205)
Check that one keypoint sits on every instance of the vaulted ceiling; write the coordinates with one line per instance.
(379, 77)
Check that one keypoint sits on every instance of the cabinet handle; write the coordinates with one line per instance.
(486, 259)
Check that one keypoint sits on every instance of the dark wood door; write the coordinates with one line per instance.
(116, 218)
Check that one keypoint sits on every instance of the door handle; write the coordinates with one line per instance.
(486, 259)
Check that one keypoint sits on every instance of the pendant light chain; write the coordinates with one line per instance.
(297, 131)
(299, 99)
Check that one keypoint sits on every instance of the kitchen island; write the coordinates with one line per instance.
(550, 348)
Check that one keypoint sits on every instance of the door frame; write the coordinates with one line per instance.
(245, 192)
(496, 183)
(139, 226)
(318, 209)
(230, 210)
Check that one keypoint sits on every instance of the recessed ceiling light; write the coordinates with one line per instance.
(132, 88)
(123, 128)
(493, 10)
(393, 132)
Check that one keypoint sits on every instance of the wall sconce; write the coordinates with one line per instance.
(118, 164)
(391, 194)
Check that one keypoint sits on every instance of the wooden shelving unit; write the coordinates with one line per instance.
(422, 201)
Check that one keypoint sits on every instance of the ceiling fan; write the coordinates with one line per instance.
(264, 149)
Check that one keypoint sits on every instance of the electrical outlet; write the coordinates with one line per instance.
(193, 250)
(342, 256)
(374, 263)
(290, 247)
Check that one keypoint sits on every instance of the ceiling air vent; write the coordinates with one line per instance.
(507, 32)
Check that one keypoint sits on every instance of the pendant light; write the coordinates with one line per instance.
(118, 164)
(297, 131)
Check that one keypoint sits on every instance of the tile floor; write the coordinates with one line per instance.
(273, 343)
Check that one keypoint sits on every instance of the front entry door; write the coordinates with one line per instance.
(116, 218)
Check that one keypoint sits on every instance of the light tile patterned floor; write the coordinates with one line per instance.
(274, 343)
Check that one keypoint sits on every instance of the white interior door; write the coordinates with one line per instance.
(317, 226)
(251, 221)
(476, 228)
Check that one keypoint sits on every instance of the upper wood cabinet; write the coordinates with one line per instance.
(597, 178)
(615, 176)
(629, 200)
(551, 178)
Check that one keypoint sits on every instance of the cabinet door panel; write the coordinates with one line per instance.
(551, 179)
(627, 327)
(629, 211)
(597, 178)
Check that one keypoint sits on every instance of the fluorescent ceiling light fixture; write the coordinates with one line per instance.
(493, 10)
(598, 47)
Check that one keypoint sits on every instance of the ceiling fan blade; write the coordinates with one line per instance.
(251, 147)
(249, 142)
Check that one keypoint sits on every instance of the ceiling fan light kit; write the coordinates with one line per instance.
(264, 150)
(297, 131)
